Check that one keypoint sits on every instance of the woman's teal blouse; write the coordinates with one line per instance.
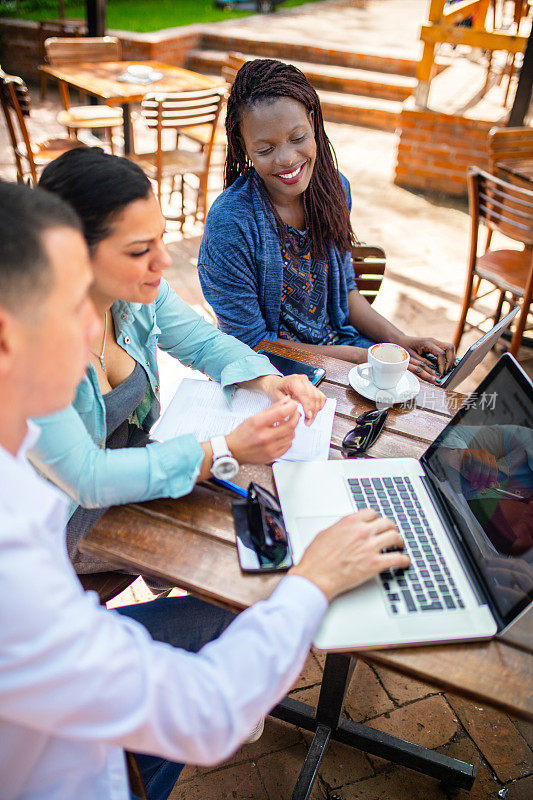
(71, 448)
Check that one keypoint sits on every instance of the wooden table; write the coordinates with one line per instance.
(100, 80)
(190, 543)
(517, 168)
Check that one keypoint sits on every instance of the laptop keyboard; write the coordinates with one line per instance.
(427, 584)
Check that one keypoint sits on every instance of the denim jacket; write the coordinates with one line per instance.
(71, 448)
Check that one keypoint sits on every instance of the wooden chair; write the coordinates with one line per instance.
(30, 156)
(509, 143)
(508, 209)
(369, 268)
(62, 51)
(179, 111)
(201, 133)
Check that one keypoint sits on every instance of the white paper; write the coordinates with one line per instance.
(200, 408)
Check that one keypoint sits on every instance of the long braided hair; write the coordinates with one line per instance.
(326, 212)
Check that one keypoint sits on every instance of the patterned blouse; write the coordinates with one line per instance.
(304, 301)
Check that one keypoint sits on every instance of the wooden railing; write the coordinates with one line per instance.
(442, 26)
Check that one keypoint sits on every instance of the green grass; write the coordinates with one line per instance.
(134, 15)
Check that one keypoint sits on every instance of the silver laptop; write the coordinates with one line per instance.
(471, 548)
(475, 354)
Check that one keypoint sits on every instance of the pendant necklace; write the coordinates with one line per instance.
(101, 356)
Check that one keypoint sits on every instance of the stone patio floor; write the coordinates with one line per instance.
(426, 241)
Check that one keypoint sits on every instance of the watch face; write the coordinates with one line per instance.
(225, 467)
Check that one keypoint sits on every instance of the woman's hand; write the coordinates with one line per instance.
(416, 346)
(297, 387)
(266, 436)
(350, 552)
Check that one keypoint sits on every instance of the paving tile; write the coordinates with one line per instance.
(241, 782)
(521, 789)
(341, 764)
(502, 745)
(398, 783)
(525, 728)
(428, 722)
(279, 772)
(276, 736)
(486, 785)
(310, 675)
(401, 688)
(366, 697)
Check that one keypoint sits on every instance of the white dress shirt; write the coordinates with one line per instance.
(78, 683)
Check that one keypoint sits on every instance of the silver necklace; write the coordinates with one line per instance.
(101, 356)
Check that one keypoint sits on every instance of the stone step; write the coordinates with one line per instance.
(349, 80)
(334, 55)
(371, 112)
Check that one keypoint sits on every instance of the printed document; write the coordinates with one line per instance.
(200, 407)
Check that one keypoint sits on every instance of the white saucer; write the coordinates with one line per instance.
(407, 387)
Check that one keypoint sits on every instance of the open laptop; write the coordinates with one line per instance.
(475, 354)
(471, 549)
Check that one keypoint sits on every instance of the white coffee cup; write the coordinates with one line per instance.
(141, 71)
(386, 364)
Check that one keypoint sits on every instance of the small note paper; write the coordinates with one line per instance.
(200, 407)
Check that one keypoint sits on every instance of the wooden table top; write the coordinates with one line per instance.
(190, 543)
(100, 79)
(521, 168)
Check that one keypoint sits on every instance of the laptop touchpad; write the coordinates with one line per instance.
(306, 530)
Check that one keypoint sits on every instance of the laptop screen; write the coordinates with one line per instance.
(482, 463)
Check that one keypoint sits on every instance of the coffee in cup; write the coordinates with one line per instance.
(386, 364)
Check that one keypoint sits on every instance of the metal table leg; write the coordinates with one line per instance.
(127, 129)
(327, 723)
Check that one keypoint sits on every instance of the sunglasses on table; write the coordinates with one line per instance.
(369, 426)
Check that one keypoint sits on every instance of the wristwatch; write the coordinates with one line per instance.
(224, 464)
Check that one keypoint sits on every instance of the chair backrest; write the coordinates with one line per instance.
(232, 64)
(502, 206)
(15, 101)
(182, 110)
(65, 50)
(506, 143)
(369, 267)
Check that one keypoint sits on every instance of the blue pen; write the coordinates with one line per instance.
(231, 486)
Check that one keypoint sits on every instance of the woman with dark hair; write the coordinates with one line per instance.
(275, 256)
(98, 450)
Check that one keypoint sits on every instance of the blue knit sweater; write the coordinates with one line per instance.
(241, 269)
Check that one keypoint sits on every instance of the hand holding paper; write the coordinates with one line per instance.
(200, 408)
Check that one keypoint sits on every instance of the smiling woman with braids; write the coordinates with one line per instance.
(275, 256)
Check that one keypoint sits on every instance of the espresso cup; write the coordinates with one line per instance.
(141, 71)
(386, 364)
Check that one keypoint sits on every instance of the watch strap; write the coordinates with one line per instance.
(220, 447)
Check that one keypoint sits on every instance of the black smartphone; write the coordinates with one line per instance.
(276, 557)
(290, 366)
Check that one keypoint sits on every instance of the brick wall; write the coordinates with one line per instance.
(20, 49)
(435, 149)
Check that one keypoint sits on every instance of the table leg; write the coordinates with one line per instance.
(327, 723)
(128, 138)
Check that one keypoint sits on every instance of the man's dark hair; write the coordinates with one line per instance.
(97, 185)
(326, 211)
(25, 214)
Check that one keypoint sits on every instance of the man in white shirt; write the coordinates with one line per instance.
(79, 683)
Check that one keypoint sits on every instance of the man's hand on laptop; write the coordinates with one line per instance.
(352, 551)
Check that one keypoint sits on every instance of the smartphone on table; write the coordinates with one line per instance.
(290, 366)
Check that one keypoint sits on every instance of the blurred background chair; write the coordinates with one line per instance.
(30, 156)
(369, 268)
(79, 50)
(507, 209)
(179, 111)
(507, 146)
(201, 133)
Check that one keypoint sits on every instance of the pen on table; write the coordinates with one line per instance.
(231, 486)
